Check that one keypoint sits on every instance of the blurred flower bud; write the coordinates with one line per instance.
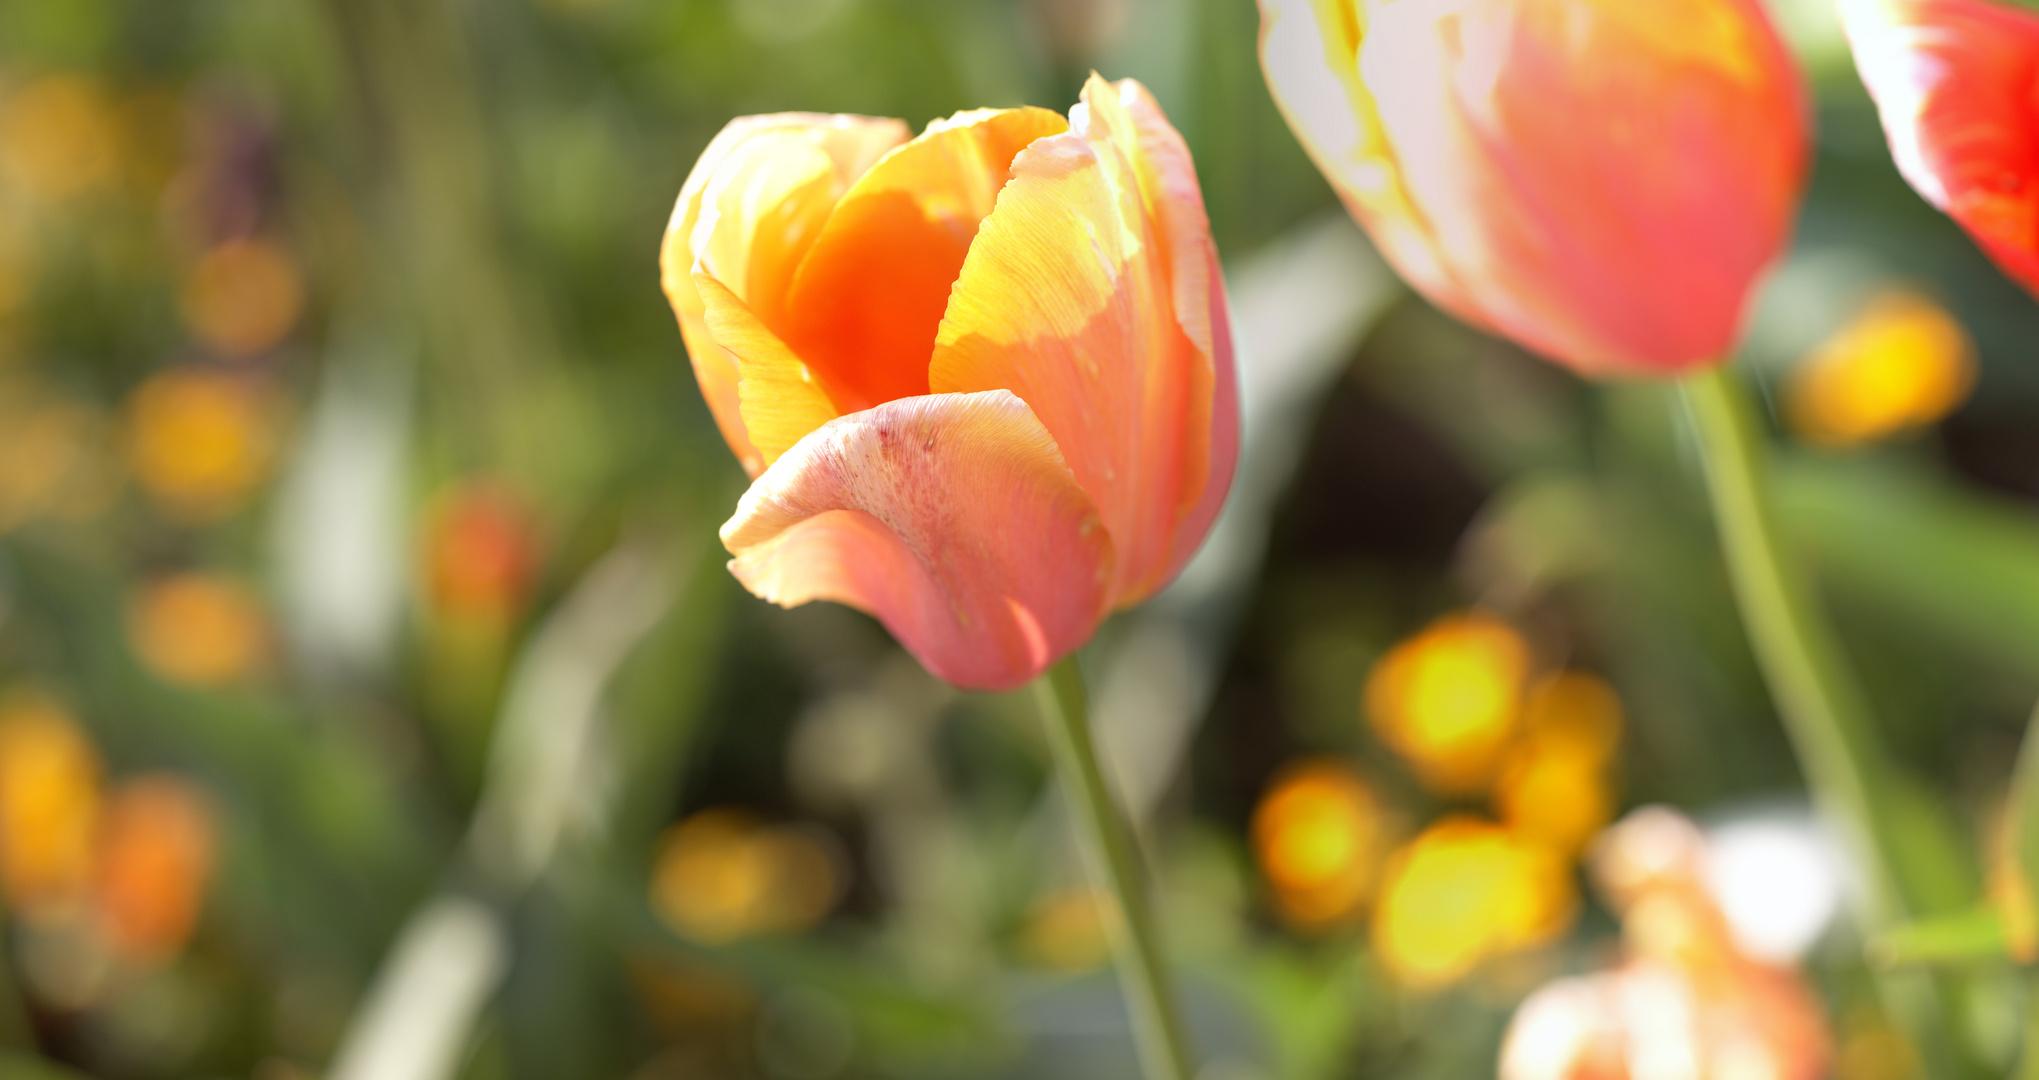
(1686, 1004)
(199, 441)
(1447, 699)
(481, 554)
(198, 629)
(154, 861)
(1319, 838)
(1902, 362)
(49, 806)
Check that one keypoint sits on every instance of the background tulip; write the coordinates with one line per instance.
(1953, 80)
(983, 377)
(1600, 180)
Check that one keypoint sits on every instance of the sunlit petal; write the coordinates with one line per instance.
(869, 295)
(952, 518)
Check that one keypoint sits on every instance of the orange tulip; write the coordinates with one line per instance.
(1601, 180)
(983, 378)
(1953, 80)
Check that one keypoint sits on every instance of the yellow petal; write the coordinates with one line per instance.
(848, 144)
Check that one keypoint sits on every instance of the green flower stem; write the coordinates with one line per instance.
(1824, 711)
(1853, 778)
(1115, 864)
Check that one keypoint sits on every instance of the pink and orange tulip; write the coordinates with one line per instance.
(1601, 180)
(1953, 80)
(982, 378)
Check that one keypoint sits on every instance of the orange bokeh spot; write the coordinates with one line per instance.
(242, 297)
(1465, 891)
(198, 630)
(1447, 699)
(481, 554)
(1903, 362)
(199, 441)
(155, 859)
(60, 136)
(1556, 783)
(1318, 837)
(721, 876)
(49, 806)
(1068, 931)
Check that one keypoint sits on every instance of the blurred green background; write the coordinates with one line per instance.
(373, 702)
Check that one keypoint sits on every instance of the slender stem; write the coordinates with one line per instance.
(1824, 711)
(1853, 778)
(1116, 865)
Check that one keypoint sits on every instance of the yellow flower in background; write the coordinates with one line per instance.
(1466, 891)
(1067, 931)
(1557, 782)
(1318, 835)
(721, 876)
(1447, 699)
(199, 441)
(1902, 362)
(198, 629)
(60, 136)
(242, 297)
(49, 806)
(154, 861)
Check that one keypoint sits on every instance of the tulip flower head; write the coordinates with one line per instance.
(1601, 180)
(1953, 81)
(982, 378)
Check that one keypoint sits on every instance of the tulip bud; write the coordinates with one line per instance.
(1600, 180)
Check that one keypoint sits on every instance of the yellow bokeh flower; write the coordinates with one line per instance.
(1902, 362)
(1557, 783)
(199, 441)
(198, 629)
(721, 876)
(242, 297)
(49, 805)
(1464, 891)
(60, 136)
(1447, 699)
(1318, 836)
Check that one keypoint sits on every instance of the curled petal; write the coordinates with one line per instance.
(1955, 81)
(779, 396)
(869, 295)
(952, 518)
(754, 239)
(1090, 293)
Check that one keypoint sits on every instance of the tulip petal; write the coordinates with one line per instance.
(848, 144)
(1309, 50)
(1605, 179)
(1954, 81)
(780, 399)
(869, 295)
(1069, 298)
(952, 518)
